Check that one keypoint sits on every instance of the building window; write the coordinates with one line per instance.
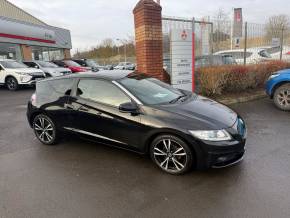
(46, 54)
(10, 51)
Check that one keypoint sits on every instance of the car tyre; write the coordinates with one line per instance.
(45, 130)
(12, 83)
(282, 97)
(171, 154)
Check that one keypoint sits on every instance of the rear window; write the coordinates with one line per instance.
(52, 90)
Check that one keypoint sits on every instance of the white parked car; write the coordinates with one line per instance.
(275, 52)
(50, 69)
(253, 55)
(14, 74)
(125, 66)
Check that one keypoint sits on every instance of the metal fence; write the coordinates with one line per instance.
(214, 43)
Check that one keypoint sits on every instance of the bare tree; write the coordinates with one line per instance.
(276, 24)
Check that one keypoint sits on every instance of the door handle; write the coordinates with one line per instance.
(69, 106)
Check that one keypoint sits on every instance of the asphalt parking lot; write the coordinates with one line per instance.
(82, 179)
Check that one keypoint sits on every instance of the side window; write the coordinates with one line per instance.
(1, 68)
(62, 86)
(101, 91)
(30, 64)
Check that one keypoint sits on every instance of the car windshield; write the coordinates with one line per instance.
(151, 91)
(92, 63)
(12, 64)
(47, 64)
(72, 63)
(264, 54)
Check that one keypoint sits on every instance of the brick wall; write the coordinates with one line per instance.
(66, 53)
(26, 52)
(148, 36)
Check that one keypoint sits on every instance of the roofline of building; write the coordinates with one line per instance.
(26, 12)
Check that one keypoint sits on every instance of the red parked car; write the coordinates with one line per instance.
(73, 66)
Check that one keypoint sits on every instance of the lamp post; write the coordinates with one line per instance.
(118, 40)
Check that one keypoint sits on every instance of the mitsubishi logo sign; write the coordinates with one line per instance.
(184, 35)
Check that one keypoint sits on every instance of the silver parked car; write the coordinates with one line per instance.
(50, 69)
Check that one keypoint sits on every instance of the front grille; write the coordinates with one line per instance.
(37, 77)
(65, 72)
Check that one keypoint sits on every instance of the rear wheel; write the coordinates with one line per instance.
(282, 97)
(12, 84)
(171, 154)
(45, 130)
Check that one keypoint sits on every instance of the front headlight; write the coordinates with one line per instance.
(23, 74)
(212, 135)
(274, 76)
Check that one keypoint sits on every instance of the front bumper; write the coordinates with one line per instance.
(224, 153)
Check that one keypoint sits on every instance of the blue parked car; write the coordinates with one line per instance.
(278, 88)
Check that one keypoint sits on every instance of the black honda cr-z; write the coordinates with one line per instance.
(178, 129)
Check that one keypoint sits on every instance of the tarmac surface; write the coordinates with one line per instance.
(78, 178)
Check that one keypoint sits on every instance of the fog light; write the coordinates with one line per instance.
(222, 159)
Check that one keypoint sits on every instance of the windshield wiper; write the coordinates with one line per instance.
(177, 99)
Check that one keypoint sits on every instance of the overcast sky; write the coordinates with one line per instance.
(90, 21)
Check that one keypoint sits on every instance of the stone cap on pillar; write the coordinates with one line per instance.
(147, 4)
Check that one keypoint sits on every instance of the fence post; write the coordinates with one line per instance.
(281, 44)
(245, 44)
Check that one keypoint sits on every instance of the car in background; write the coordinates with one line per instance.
(73, 66)
(180, 130)
(214, 60)
(109, 67)
(275, 52)
(50, 69)
(278, 88)
(125, 66)
(88, 63)
(14, 74)
(253, 55)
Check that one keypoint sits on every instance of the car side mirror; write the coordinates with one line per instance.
(129, 107)
(1, 68)
(37, 67)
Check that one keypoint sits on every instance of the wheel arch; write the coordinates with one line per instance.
(278, 85)
(193, 146)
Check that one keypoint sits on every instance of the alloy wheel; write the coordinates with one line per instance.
(284, 97)
(170, 155)
(11, 84)
(44, 130)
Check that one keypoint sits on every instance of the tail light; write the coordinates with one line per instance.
(33, 99)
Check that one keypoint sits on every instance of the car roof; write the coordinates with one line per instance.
(109, 75)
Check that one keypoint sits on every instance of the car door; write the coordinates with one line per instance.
(2, 75)
(96, 105)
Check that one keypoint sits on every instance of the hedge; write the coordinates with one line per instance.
(236, 78)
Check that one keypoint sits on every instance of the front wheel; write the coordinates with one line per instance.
(282, 97)
(171, 154)
(12, 84)
(45, 130)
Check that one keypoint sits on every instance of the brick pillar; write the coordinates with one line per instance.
(26, 52)
(148, 36)
(66, 53)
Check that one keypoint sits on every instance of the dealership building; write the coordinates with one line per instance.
(24, 37)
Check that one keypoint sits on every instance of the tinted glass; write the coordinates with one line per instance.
(50, 91)
(151, 91)
(30, 64)
(47, 64)
(72, 63)
(264, 54)
(101, 91)
(12, 64)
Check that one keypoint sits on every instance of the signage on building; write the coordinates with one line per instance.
(238, 23)
(181, 59)
(24, 32)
